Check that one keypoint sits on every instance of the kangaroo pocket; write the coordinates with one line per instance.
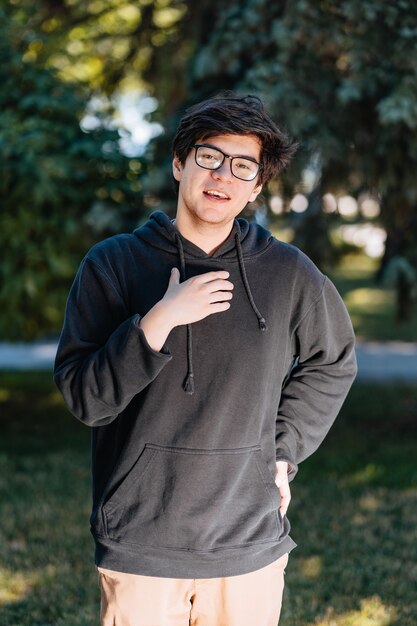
(195, 499)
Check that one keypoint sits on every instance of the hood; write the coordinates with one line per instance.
(160, 232)
(245, 239)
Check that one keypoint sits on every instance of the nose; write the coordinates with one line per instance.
(224, 172)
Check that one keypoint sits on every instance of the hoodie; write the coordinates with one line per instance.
(185, 440)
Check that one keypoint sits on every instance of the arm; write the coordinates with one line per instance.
(318, 385)
(105, 357)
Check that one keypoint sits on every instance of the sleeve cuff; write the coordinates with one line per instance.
(164, 351)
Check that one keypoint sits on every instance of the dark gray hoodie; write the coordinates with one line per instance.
(185, 440)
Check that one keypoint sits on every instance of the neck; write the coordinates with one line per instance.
(208, 237)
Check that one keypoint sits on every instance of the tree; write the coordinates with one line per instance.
(103, 44)
(61, 188)
(342, 77)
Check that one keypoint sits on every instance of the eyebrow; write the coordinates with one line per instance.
(239, 156)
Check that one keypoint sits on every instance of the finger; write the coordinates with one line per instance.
(210, 276)
(218, 285)
(285, 493)
(285, 502)
(218, 307)
(174, 278)
(220, 296)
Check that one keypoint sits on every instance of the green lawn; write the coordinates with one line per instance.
(371, 306)
(353, 514)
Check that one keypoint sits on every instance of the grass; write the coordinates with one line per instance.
(371, 306)
(46, 576)
(353, 513)
(356, 564)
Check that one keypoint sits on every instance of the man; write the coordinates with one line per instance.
(209, 359)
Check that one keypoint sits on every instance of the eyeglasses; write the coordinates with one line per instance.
(211, 158)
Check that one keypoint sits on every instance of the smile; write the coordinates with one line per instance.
(215, 194)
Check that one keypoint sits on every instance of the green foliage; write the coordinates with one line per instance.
(342, 78)
(55, 179)
(103, 43)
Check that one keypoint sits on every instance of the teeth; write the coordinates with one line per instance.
(219, 194)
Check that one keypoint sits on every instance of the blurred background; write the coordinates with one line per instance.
(91, 92)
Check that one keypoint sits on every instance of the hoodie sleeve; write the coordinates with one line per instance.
(103, 359)
(319, 382)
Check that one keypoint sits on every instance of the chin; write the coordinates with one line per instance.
(213, 215)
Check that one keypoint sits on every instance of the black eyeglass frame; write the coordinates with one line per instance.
(226, 156)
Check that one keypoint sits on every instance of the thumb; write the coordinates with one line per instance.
(174, 278)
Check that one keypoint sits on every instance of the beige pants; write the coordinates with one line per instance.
(252, 599)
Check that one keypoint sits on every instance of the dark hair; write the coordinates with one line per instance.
(228, 113)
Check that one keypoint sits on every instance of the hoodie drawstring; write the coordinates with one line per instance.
(188, 384)
(261, 320)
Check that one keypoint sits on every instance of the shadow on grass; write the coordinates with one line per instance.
(353, 513)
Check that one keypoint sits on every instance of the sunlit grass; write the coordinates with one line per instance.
(372, 612)
(372, 307)
(366, 474)
(357, 265)
(14, 585)
(370, 299)
(311, 567)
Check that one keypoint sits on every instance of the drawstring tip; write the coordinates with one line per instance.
(188, 385)
(262, 324)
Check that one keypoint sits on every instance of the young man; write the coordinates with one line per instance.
(210, 359)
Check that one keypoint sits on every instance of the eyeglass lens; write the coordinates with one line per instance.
(212, 159)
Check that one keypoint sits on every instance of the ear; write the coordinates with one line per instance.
(176, 168)
(255, 193)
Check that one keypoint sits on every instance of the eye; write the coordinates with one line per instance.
(243, 165)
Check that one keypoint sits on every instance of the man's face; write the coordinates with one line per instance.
(216, 197)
